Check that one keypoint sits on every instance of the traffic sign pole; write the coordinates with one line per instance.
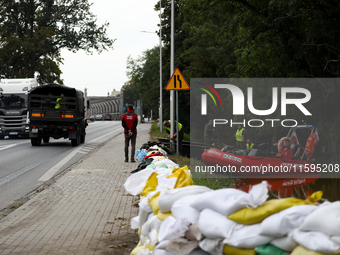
(177, 128)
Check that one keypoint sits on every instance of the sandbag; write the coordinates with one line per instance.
(135, 183)
(247, 236)
(253, 216)
(279, 224)
(150, 185)
(228, 201)
(316, 241)
(181, 246)
(198, 251)
(153, 202)
(152, 223)
(325, 219)
(165, 183)
(212, 246)
(161, 252)
(285, 243)
(214, 225)
(168, 197)
(194, 233)
(230, 250)
(182, 208)
(269, 250)
(172, 228)
(300, 250)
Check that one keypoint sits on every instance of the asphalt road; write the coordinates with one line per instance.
(23, 167)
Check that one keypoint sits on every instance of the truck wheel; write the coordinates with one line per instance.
(36, 141)
(46, 139)
(1, 137)
(75, 142)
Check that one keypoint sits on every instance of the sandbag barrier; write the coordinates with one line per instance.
(177, 217)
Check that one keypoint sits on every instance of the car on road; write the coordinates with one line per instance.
(107, 116)
(91, 118)
(99, 117)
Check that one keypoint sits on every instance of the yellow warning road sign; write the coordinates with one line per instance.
(177, 81)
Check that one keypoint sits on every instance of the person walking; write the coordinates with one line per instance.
(129, 123)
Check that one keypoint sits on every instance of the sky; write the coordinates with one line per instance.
(102, 73)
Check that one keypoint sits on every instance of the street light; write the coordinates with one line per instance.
(160, 68)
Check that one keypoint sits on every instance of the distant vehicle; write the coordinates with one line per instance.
(107, 116)
(13, 106)
(56, 111)
(99, 117)
(91, 118)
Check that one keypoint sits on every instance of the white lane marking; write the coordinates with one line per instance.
(50, 173)
(4, 147)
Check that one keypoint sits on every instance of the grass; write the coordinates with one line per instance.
(213, 183)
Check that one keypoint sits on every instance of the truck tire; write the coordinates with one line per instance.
(75, 142)
(46, 139)
(82, 139)
(35, 141)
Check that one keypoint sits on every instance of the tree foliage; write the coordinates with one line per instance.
(33, 32)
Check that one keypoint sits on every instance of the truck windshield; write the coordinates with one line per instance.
(13, 101)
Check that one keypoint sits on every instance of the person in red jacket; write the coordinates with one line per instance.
(129, 123)
(286, 152)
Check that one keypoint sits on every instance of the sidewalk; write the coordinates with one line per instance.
(86, 211)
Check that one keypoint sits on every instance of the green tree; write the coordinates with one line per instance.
(33, 32)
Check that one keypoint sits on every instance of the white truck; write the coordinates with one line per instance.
(14, 119)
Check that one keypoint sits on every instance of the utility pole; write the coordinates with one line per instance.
(160, 70)
(172, 68)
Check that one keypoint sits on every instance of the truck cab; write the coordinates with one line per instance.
(13, 106)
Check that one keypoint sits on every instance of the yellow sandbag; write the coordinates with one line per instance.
(177, 171)
(230, 250)
(162, 216)
(153, 202)
(253, 216)
(150, 185)
(183, 177)
(137, 249)
(300, 250)
(315, 197)
(139, 232)
(149, 246)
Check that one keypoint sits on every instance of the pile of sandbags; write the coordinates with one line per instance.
(178, 217)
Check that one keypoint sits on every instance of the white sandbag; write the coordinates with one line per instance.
(153, 236)
(247, 236)
(258, 194)
(325, 219)
(135, 222)
(144, 240)
(135, 183)
(182, 208)
(336, 239)
(212, 246)
(228, 201)
(166, 161)
(285, 243)
(224, 201)
(198, 252)
(162, 245)
(152, 223)
(168, 197)
(279, 224)
(144, 210)
(172, 228)
(144, 252)
(194, 233)
(181, 246)
(316, 241)
(214, 225)
(165, 183)
(161, 252)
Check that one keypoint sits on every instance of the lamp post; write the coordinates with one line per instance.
(160, 68)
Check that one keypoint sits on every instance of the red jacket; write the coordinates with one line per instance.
(286, 154)
(129, 121)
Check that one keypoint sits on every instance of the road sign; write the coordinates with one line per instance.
(177, 81)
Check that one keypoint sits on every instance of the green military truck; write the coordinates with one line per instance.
(56, 111)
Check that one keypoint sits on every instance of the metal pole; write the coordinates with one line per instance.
(160, 70)
(177, 129)
(172, 68)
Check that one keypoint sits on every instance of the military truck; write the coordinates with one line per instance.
(56, 111)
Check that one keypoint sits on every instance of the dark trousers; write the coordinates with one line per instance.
(133, 144)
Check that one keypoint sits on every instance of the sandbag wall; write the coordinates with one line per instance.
(180, 218)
